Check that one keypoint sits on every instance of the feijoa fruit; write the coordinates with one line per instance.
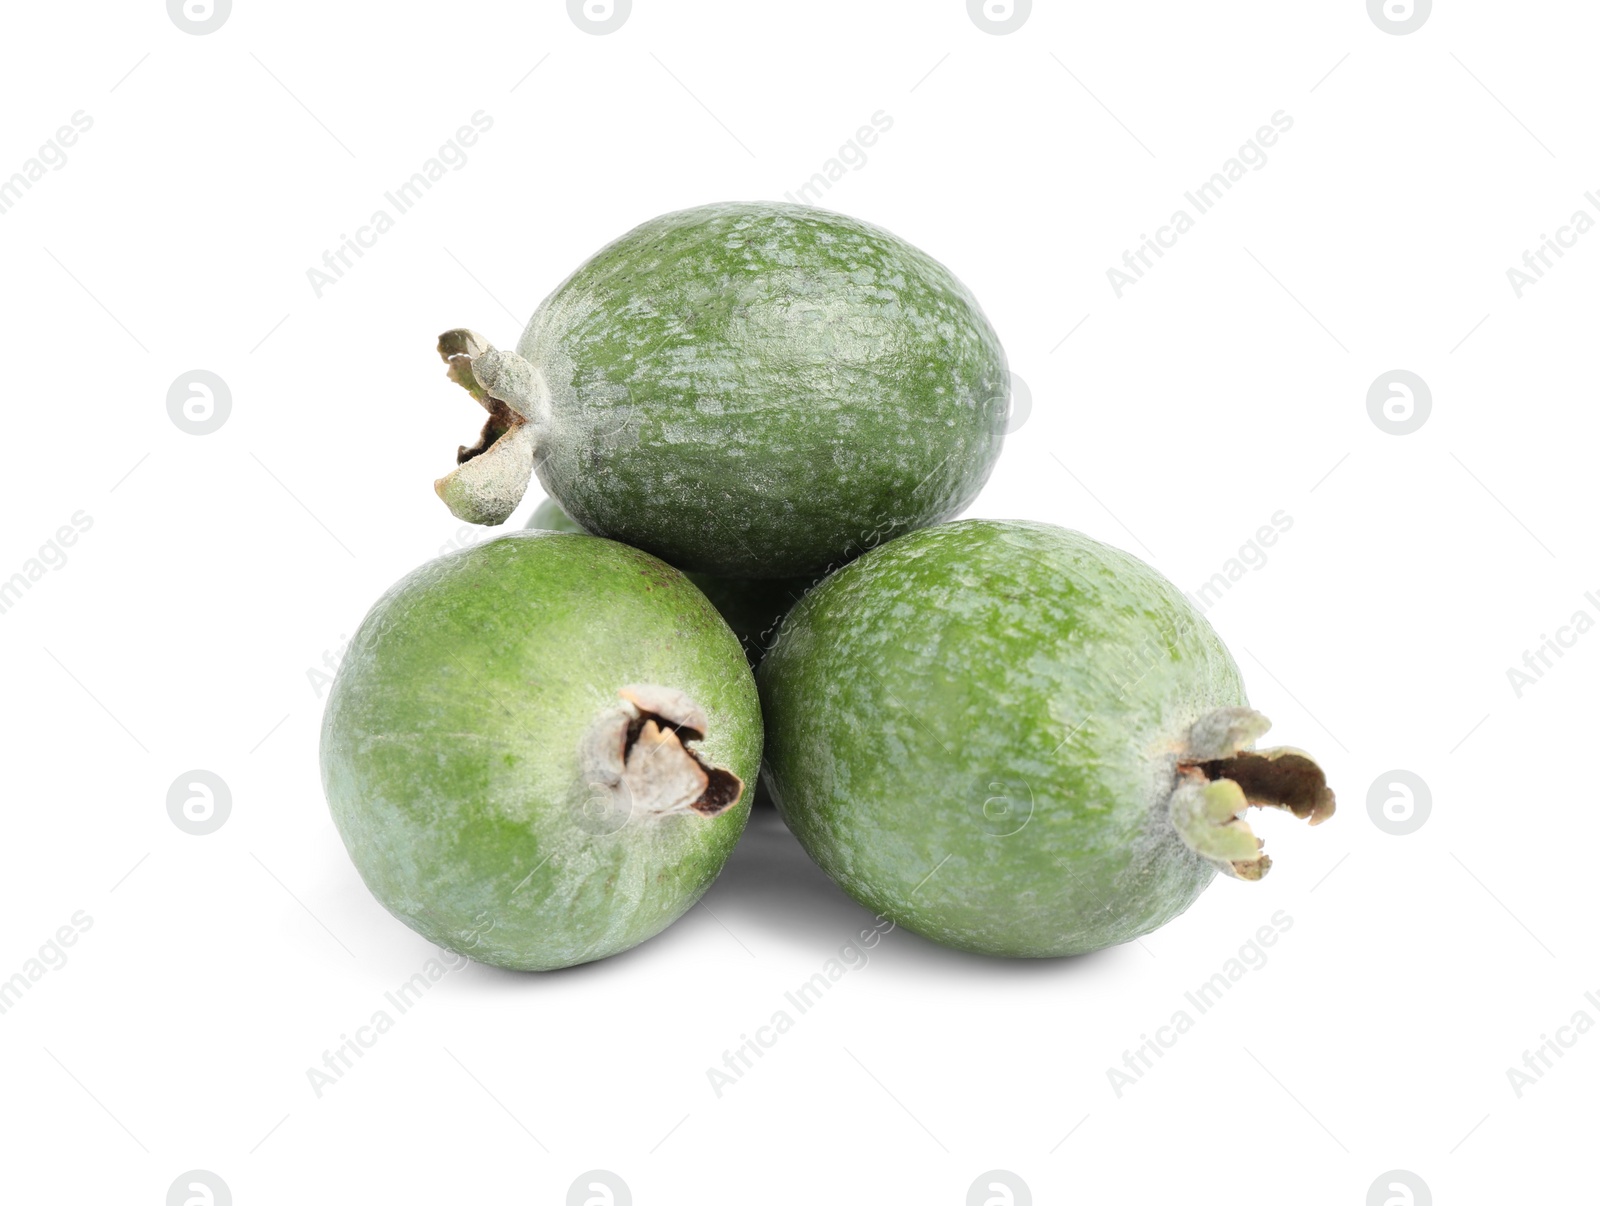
(758, 390)
(1013, 739)
(538, 750)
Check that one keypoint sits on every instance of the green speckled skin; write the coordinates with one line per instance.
(974, 729)
(763, 390)
(451, 737)
(753, 607)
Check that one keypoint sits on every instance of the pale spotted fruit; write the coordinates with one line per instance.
(540, 750)
(750, 390)
(1013, 739)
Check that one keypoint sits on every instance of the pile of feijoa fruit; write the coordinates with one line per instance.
(754, 422)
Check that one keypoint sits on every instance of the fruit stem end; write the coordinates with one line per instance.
(636, 758)
(493, 474)
(1220, 777)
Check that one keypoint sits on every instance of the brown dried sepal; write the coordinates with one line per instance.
(1280, 777)
(1219, 778)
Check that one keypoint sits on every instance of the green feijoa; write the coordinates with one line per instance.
(536, 749)
(751, 390)
(752, 607)
(549, 517)
(1013, 739)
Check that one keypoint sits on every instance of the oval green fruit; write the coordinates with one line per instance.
(756, 390)
(753, 607)
(1012, 739)
(536, 748)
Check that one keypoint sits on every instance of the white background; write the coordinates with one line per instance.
(1229, 384)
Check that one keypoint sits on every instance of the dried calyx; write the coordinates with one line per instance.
(639, 754)
(492, 475)
(1219, 777)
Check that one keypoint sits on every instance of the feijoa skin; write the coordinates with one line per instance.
(753, 607)
(1013, 739)
(537, 749)
(750, 390)
(549, 517)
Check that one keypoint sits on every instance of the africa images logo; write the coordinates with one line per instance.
(1399, 16)
(599, 1187)
(599, 16)
(199, 16)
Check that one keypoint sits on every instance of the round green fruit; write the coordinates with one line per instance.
(754, 390)
(753, 607)
(536, 749)
(1012, 739)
